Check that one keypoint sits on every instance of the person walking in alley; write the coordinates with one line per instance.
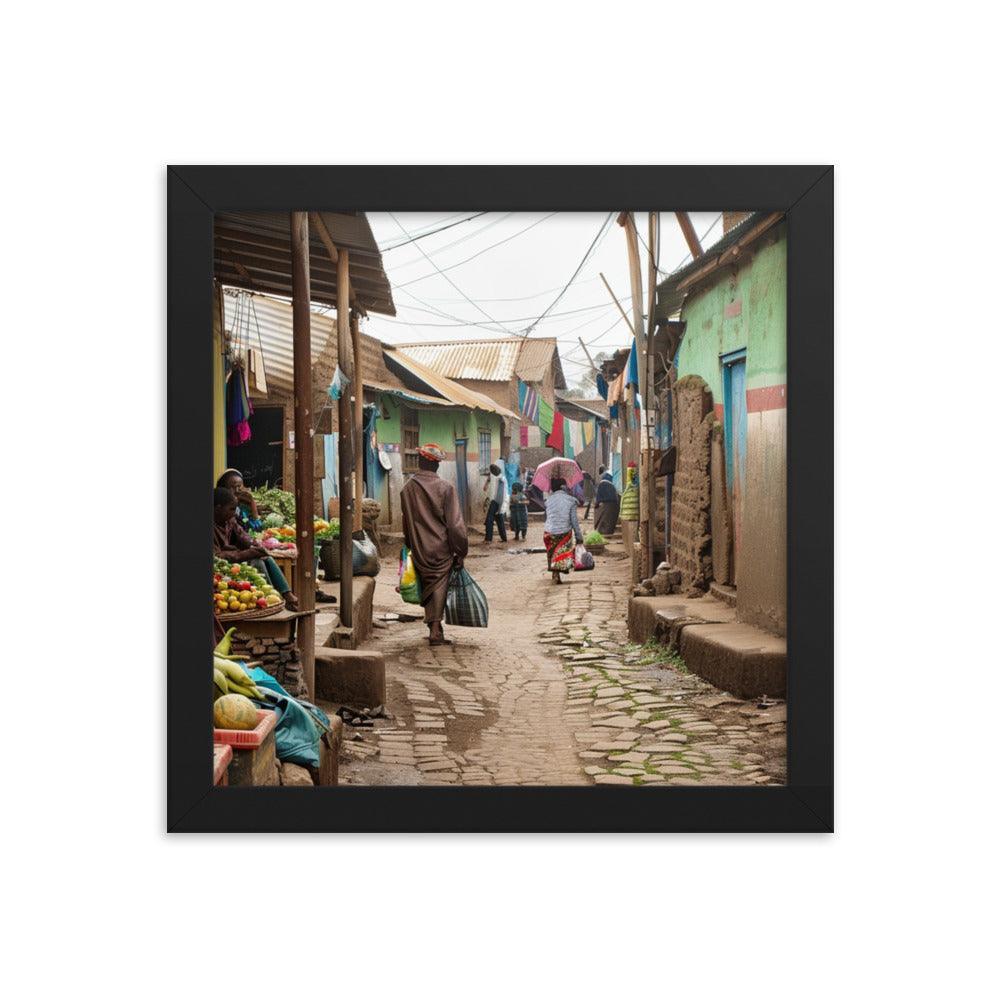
(588, 493)
(561, 527)
(435, 534)
(607, 506)
(495, 489)
(518, 511)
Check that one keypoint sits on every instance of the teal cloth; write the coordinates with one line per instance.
(300, 725)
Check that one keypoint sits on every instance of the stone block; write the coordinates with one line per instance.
(350, 677)
(293, 774)
(738, 658)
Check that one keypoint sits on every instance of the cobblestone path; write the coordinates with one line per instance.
(552, 694)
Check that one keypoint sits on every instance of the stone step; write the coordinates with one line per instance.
(723, 592)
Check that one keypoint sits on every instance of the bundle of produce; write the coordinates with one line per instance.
(232, 682)
(594, 538)
(326, 531)
(240, 589)
(270, 500)
(273, 520)
(280, 548)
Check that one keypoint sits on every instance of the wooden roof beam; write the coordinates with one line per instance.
(324, 234)
(690, 236)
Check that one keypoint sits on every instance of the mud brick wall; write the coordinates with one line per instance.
(279, 657)
(690, 514)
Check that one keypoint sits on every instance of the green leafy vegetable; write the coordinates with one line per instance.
(594, 538)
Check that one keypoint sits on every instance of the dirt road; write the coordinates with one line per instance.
(551, 694)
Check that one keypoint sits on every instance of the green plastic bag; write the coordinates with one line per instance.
(409, 582)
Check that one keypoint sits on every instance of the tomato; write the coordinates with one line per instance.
(261, 603)
(246, 585)
(234, 571)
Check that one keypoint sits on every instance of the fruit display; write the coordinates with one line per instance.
(326, 531)
(234, 711)
(280, 541)
(239, 588)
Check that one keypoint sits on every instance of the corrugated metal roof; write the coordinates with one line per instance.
(499, 360)
(269, 322)
(253, 250)
(536, 357)
(458, 394)
(669, 293)
(485, 360)
(593, 407)
(266, 324)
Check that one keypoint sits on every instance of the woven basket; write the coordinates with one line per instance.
(245, 616)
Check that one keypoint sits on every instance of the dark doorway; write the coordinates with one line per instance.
(462, 476)
(259, 460)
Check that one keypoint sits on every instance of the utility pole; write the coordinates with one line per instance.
(651, 407)
(627, 221)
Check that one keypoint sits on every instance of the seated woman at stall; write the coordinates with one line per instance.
(607, 503)
(561, 526)
(247, 515)
(235, 545)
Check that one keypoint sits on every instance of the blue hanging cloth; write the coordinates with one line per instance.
(602, 387)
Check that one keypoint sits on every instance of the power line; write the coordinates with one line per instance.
(430, 232)
(600, 233)
(513, 319)
(446, 278)
(437, 251)
(451, 267)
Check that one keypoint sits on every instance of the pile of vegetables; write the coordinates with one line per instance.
(594, 538)
(273, 520)
(325, 531)
(271, 500)
(280, 541)
(233, 689)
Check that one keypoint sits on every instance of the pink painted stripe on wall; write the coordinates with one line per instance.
(768, 397)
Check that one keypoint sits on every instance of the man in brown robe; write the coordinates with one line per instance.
(434, 531)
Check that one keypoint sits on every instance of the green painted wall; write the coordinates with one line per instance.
(389, 430)
(761, 288)
(442, 426)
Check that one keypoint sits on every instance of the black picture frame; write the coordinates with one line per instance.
(805, 195)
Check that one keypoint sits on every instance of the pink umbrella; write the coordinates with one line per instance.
(560, 468)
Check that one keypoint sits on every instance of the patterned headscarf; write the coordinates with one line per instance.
(431, 452)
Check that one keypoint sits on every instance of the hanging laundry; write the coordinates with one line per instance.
(602, 386)
(239, 409)
(338, 384)
(555, 438)
(588, 432)
(545, 415)
(632, 370)
(529, 401)
(524, 435)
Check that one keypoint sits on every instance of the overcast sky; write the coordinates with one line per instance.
(512, 283)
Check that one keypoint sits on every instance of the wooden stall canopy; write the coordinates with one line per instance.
(252, 250)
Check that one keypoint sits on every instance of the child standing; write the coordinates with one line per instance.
(518, 511)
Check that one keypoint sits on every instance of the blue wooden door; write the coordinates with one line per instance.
(735, 429)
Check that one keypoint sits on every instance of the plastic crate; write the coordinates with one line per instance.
(247, 739)
(221, 756)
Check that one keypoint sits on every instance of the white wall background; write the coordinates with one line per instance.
(901, 900)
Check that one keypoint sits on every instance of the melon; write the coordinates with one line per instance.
(234, 711)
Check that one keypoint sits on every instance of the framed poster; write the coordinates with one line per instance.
(684, 450)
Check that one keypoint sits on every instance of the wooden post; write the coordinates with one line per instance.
(627, 221)
(652, 403)
(305, 581)
(357, 388)
(345, 439)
